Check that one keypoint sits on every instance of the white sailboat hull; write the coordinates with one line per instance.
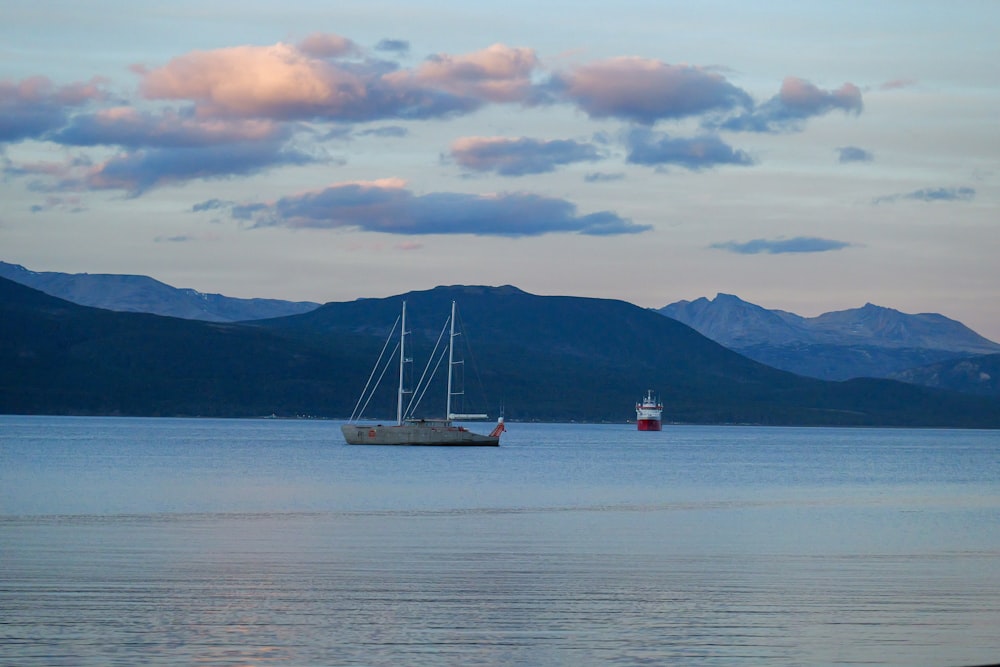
(416, 433)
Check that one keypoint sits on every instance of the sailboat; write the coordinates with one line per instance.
(411, 431)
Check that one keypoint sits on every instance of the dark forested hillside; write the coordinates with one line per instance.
(576, 358)
(973, 375)
(60, 358)
(542, 358)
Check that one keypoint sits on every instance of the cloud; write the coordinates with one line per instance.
(388, 207)
(48, 176)
(400, 46)
(186, 238)
(395, 131)
(137, 171)
(312, 81)
(603, 177)
(797, 101)
(141, 170)
(652, 148)
(854, 154)
(327, 45)
(180, 238)
(498, 73)
(211, 205)
(778, 246)
(645, 91)
(517, 157)
(328, 78)
(352, 132)
(237, 111)
(128, 127)
(279, 81)
(52, 202)
(930, 195)
(32, 107)
(162, 148)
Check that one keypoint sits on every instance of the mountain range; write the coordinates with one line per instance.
(871, 341)
(142, 294)
(541, 358)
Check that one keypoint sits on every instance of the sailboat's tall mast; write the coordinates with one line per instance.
(451, 361)
(402, 365)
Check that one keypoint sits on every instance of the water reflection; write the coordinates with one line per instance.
(540, 588)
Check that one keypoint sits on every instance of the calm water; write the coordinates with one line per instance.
(218, 542)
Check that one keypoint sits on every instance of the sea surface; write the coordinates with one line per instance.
(270, 542)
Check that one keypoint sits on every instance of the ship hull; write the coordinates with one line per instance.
(435, 435)
(648, 413)
(650, 425)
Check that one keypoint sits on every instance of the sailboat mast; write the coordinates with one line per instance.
(402, 365)
(451, 361)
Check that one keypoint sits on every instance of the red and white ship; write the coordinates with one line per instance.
(648, 412)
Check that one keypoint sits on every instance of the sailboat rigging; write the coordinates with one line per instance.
(408, 430)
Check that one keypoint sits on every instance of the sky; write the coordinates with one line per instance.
(804, 156)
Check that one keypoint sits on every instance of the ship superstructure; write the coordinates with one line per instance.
(648, 413)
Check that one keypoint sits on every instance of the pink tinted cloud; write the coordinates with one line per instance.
(286, 82)
(796, 101)
(809, 99)
(32, 107)
(39, 89)
(278, 81)
(498, 73)
(327, 45)
(644, 90)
